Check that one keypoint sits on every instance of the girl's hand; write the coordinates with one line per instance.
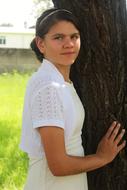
(110, 144)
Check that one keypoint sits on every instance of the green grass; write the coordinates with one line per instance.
(13, 162)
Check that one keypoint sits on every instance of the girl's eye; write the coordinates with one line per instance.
(58, 38)
(75, 37)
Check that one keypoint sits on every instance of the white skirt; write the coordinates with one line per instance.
(40, 178)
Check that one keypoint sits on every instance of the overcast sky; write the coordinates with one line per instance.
(16, 12)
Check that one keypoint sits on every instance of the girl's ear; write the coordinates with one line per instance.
(40, 44)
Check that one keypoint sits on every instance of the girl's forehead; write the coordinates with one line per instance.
(62, 26)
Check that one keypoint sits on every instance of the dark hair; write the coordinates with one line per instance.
(46, 21)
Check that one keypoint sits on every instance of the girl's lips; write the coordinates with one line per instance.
(67, 53)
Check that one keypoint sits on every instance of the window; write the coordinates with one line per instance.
(2, 40)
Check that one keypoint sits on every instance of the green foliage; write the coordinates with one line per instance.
(13, 162)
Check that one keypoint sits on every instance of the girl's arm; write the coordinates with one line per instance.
(62, 164)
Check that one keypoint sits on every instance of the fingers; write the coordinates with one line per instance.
(115, 132)
(121, 146)
(110, 130)
(112, 133)
(119, 137)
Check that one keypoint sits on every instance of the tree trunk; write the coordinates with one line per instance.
(100, 77)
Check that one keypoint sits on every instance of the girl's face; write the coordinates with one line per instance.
(61, 44)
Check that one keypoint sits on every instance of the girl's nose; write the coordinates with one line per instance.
(68, 43)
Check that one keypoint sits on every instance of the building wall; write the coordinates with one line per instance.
(22, 60)
(10, 38)
(15, 52)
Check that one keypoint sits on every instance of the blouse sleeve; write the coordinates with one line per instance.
(47, 108)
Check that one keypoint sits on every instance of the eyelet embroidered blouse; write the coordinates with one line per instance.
(50, 101)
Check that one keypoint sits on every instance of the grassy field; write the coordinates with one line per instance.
(13, 162)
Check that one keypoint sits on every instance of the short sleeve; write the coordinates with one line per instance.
(47, 107)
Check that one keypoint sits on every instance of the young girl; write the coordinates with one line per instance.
(53, 113)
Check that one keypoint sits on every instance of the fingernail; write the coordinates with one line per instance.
(114, 123)
(118, 124)
(123, 131)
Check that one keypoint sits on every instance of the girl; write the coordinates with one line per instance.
(53, 113)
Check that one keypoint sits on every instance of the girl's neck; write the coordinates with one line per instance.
(65, 71)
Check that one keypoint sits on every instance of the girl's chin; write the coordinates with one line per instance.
(67, 62)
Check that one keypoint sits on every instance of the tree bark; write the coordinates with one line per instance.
(100, 77)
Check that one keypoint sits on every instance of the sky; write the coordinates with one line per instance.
(16, 12)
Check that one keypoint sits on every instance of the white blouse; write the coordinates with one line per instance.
(48, 102)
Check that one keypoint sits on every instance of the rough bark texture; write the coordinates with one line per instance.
(100, 75)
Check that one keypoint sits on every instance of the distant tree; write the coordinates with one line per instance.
(41, 5)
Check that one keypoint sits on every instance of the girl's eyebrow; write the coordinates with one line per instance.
(61, 34)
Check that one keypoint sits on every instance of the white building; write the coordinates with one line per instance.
(16, 38)
(15, 51)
